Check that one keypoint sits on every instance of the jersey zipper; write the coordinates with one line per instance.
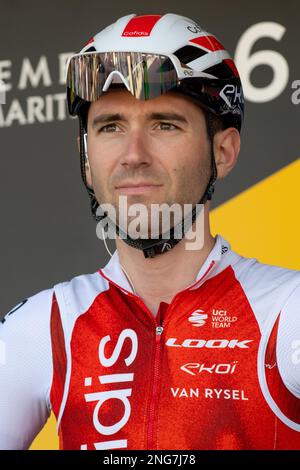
(156, 377)
(155, 387)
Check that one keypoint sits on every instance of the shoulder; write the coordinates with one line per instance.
(75, 297)
(33, 314)
(260, 276)
(267, 287)
(25, 329)
(25, 337)
(33, 308)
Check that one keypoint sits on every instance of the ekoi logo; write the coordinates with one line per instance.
(198, 318)
(195, 368)
(232, 96)
(122, 395)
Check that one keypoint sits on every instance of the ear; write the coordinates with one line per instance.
(226, 149)
(87, 166)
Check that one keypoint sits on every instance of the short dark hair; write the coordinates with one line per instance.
(214, 122)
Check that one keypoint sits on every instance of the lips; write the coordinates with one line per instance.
(135, 188)
(136, 185)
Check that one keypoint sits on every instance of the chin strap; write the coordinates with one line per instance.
(162, 244)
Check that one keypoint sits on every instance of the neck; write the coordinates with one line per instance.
(160, 278)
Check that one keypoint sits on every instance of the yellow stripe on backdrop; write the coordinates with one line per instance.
(262, 222)
(47, 439)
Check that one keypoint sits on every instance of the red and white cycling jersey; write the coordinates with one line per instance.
(217, 368)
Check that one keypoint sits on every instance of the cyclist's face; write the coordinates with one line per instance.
(160, 146)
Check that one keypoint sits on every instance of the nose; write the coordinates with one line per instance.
(136, 152)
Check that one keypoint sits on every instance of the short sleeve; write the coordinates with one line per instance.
(25, 371)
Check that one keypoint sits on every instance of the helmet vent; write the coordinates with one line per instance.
(221, 70)
(189, 53)
(90, 49)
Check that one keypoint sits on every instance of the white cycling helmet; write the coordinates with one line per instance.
(150, 55)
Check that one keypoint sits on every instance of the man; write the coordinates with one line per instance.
(169, 346)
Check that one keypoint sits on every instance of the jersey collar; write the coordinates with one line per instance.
(214, 263)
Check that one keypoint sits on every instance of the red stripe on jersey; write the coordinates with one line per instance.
(285, 400)
(59, 358)
(231, 64)
(141, 26)
(208, 42)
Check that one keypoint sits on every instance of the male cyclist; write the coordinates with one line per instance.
(171, 345)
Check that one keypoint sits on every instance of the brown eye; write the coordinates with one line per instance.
(108, 128)
(167, 126)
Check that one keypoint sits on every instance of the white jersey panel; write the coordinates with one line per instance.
(266, 287)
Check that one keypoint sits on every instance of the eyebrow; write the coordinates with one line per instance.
(104, 118)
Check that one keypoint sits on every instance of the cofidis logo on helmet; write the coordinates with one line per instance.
(140, 26)
(135, 33)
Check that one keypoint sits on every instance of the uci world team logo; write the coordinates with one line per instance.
(198, 318)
